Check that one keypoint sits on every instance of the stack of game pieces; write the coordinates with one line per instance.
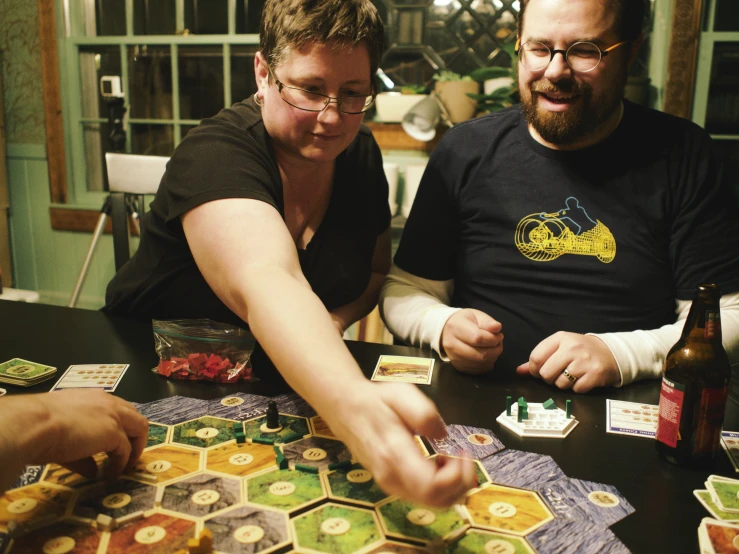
(24, 373)
(721, 532)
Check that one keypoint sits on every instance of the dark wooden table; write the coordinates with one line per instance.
(667, 515)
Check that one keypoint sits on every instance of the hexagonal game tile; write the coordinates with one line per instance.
(316, 452)
(499, 508)
(156, 533)
(284, 489)
(204, 432)
(293, 428)
(293, 404)
(32, 504)
(578, 499)
(477, 540)
(563, 536)
(64, 477)
(164, 463)
(31, 475)
(401, 519)
(174, 410)
(249, 529)
(241, 460)
(468, 442)
(238, 406)
(320, 429)
(338, 529)
(525, 470)
(157, 434)
(354, 484)
(202, 494)
(59, 538)
(392, 547)
(116, 499)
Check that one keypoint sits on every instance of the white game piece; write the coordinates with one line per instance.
(542, 423)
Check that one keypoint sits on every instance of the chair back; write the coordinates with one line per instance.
(130, 177)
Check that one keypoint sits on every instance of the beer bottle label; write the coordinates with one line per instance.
(670, 407)
(710, 420)
(713, 324)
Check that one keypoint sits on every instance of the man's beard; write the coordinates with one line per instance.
(576, 123)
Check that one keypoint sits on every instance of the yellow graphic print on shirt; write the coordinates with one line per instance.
(544, 237)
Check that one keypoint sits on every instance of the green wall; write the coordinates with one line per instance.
(49, 261)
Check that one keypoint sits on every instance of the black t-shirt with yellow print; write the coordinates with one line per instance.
(602, 239)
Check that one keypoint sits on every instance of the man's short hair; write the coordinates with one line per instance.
(630, 22)
(291, 24)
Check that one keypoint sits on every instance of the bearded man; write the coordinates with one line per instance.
(577, 223)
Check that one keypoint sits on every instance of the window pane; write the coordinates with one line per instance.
(243, 82)
(201, 81)
(150, 82)
(206, 17)
(248, 13)
(96, 143)
(152, 140)
(154, 17)
(727, 16)
(110, 17)
(95, 62)
(722, 113)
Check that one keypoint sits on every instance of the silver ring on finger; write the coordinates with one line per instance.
(569, 375)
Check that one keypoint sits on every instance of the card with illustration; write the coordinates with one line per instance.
(24, 373)
(730, 443)
(725, 492)
(404, 369)
(718, 537)
(704, 497)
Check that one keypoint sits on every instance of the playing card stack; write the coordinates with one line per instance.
(24, 373)
(719, 534)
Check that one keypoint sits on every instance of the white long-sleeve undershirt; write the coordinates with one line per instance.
(416, 309)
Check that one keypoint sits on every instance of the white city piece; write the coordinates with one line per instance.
(540, 422)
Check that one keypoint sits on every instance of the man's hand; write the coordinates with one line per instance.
(377, 422)
(472, 340)
(585, 358)
(69, 427)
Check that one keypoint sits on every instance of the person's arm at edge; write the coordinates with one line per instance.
(641, 354)
(347, 314)
(415, 309)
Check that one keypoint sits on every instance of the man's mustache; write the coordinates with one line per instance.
(563, 87)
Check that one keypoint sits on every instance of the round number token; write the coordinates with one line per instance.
(58, 545)
(249, 534)
(359, 476)
(502, 509)
(480, 439)
(205, 497)
(22, 505)
(603, 499)
(266, 430)
(20, 369)
(206, 433)
(241, 459)
(421, 516)
(335, 526)
(497, 546)
(232, 401)
(116, 500)
(282, 488)
(150, 535)
(735, 542)
(158, 466)
(315, 454)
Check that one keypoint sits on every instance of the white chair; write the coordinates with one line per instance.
(130, 177)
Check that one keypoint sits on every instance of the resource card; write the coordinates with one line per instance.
(24, 373)
(631, 418)
(404, 369)
(92, 376)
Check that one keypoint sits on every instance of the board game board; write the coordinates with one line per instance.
(298, 490)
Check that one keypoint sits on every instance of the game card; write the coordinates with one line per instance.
(92, 376)
(631, 418)
(404, 369)
(705, 498)
(717, 537)
(730, 443)
(725, 492)
(24, 373)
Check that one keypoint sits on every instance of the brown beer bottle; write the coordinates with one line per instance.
(695, 384)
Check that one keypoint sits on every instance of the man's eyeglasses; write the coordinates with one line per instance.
(311, 101)
(580, 56)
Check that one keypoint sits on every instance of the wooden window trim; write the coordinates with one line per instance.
(682, 57)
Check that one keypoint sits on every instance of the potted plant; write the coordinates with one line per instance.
(499, 85)
(456, 94)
